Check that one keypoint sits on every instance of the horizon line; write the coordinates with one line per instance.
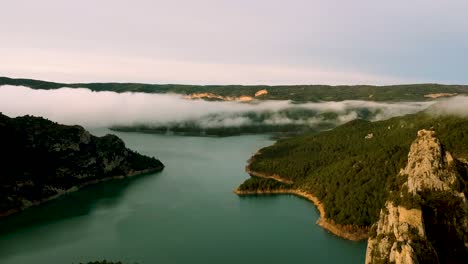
(244, 85)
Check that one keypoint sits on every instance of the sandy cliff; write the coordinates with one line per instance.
(212, 96)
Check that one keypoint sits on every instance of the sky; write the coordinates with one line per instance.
(236, 41)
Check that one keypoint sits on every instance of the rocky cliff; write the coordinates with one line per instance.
(41, 160)
(217, 97)
(425, 218)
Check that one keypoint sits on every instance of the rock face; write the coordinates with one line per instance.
(261, 92)
(216, 97)
(396, 234)
(41, 160)
(425, 219)
(438, 95)
(429, 166)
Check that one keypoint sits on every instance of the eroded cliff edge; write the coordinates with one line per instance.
(425, 218)
(41, 160)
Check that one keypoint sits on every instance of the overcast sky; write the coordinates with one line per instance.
(236, 41)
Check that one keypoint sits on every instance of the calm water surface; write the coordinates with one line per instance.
(185, 214)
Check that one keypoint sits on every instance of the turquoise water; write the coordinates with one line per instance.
(185, 214)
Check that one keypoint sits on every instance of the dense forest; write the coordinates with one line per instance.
(350, 167)
(297, 93)
(40, 159)
(104, 262)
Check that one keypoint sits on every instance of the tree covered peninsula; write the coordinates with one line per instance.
(41, 160)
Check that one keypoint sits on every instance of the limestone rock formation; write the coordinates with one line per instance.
(216, 97)
(261, 92)
(429, 166)
(425, 219)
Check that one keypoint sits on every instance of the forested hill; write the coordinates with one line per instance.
(41, 159)
(349, 168)
(299, 93)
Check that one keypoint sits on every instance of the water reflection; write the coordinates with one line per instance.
(69, 210)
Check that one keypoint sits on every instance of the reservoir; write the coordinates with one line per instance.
(185, 214)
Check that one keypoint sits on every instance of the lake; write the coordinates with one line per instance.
(185, 214)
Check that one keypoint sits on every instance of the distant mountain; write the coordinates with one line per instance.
(40, 160)
(297, 93)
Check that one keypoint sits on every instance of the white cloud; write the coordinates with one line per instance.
(455, 106)
(104, 109)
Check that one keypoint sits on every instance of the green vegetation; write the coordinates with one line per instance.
(298, 93)
(41, 159)
(103, 262)
(350, 174)
(263, 185)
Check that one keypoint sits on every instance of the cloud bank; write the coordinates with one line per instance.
(106, 109)
(452, 106)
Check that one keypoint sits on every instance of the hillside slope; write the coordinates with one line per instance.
(350, 168)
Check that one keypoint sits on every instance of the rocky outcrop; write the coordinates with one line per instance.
(425, 219)
(261, 92)
(41, 160)
(217, 97)
(429, 166)
(439, 95)
(394, 237)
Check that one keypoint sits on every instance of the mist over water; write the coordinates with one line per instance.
(105, 109)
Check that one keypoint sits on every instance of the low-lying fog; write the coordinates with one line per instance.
(106, 109)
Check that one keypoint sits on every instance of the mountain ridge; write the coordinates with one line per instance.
(296, 93)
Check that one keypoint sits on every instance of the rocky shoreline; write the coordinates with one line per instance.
(347, 232)
(77, 188)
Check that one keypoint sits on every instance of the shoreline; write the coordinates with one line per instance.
(349, 232)
(356, 234)
(77, 188)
